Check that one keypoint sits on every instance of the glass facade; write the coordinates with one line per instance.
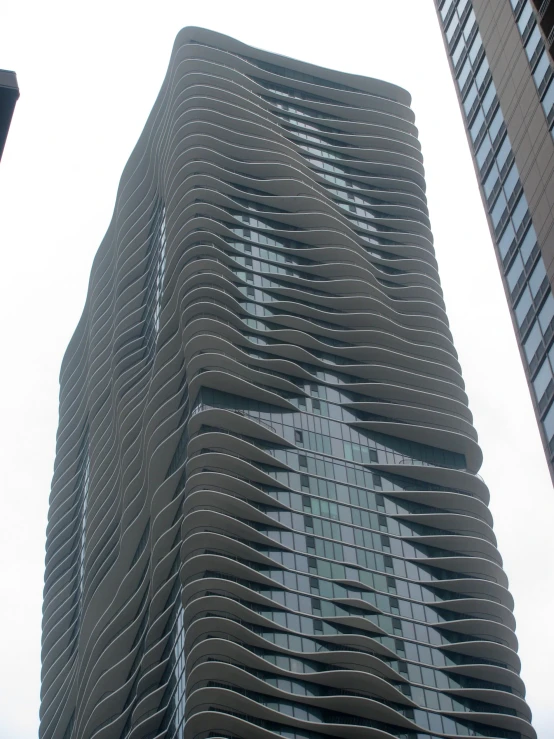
(288, 476)
(529, 291)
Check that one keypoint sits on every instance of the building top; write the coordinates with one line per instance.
(347, 81)
(9, 93)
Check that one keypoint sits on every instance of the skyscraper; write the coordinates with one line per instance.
(9, 93)
(504, 77)
(266, 518)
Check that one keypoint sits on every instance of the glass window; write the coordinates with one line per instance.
(548, 423)
(489, 98)
(511, 181)
(503, 153)
(477, 124)
(547, 313)
(464, 74)
(469, 25)
(445, 8)
(523, 306)
(533, 341)
(532, 42)
(506, 240)
(458, 49)
(548, 99)
(491, 181)
(483, 151)
(462, 6)
(541, 69)
(537, 277)
(498, 209)
(528, 243)
(475, 48)
(524, 17)
(482, 72)
(542, 380)
(551, 355)
(496, 122)
(519, 212)
(452, 26)
(470, 98)
(515, 272)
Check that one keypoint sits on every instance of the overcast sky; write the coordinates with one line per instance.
(88, 79)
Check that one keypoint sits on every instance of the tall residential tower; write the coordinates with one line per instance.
(266, 518)
(501, 61)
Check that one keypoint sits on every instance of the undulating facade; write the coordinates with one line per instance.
(266, 518)
(500, 55)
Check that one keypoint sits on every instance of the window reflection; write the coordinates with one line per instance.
(483, 152)
(503, 153)
(469, 25)
(511, 181)
(537, 277)
(524, 17)
(445, 8)
(523, 306)
(496, 123)
(491, 181)
(451, 30)
(506, 240)
(499, 208)
(548, 423)
(462, 6)
(477, 125)
(489, 98)
(464, 74)
(542, 380)
(532, 43)
(528, 243)
(541, 69)
(515, 272)
(470, 98)
(457, 53)
(482, 72)
(547, 313)
(533, 341)
(548, 100)
(475, 48)
(520, 211)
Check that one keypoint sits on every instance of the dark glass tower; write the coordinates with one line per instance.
(266, 518)
(500, 57)
(9, 94)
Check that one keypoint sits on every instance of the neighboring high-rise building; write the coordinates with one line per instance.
(9, 93)
(545, 11)
(504, 75)
(266, 518)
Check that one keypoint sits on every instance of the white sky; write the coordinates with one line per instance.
(88, 79)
